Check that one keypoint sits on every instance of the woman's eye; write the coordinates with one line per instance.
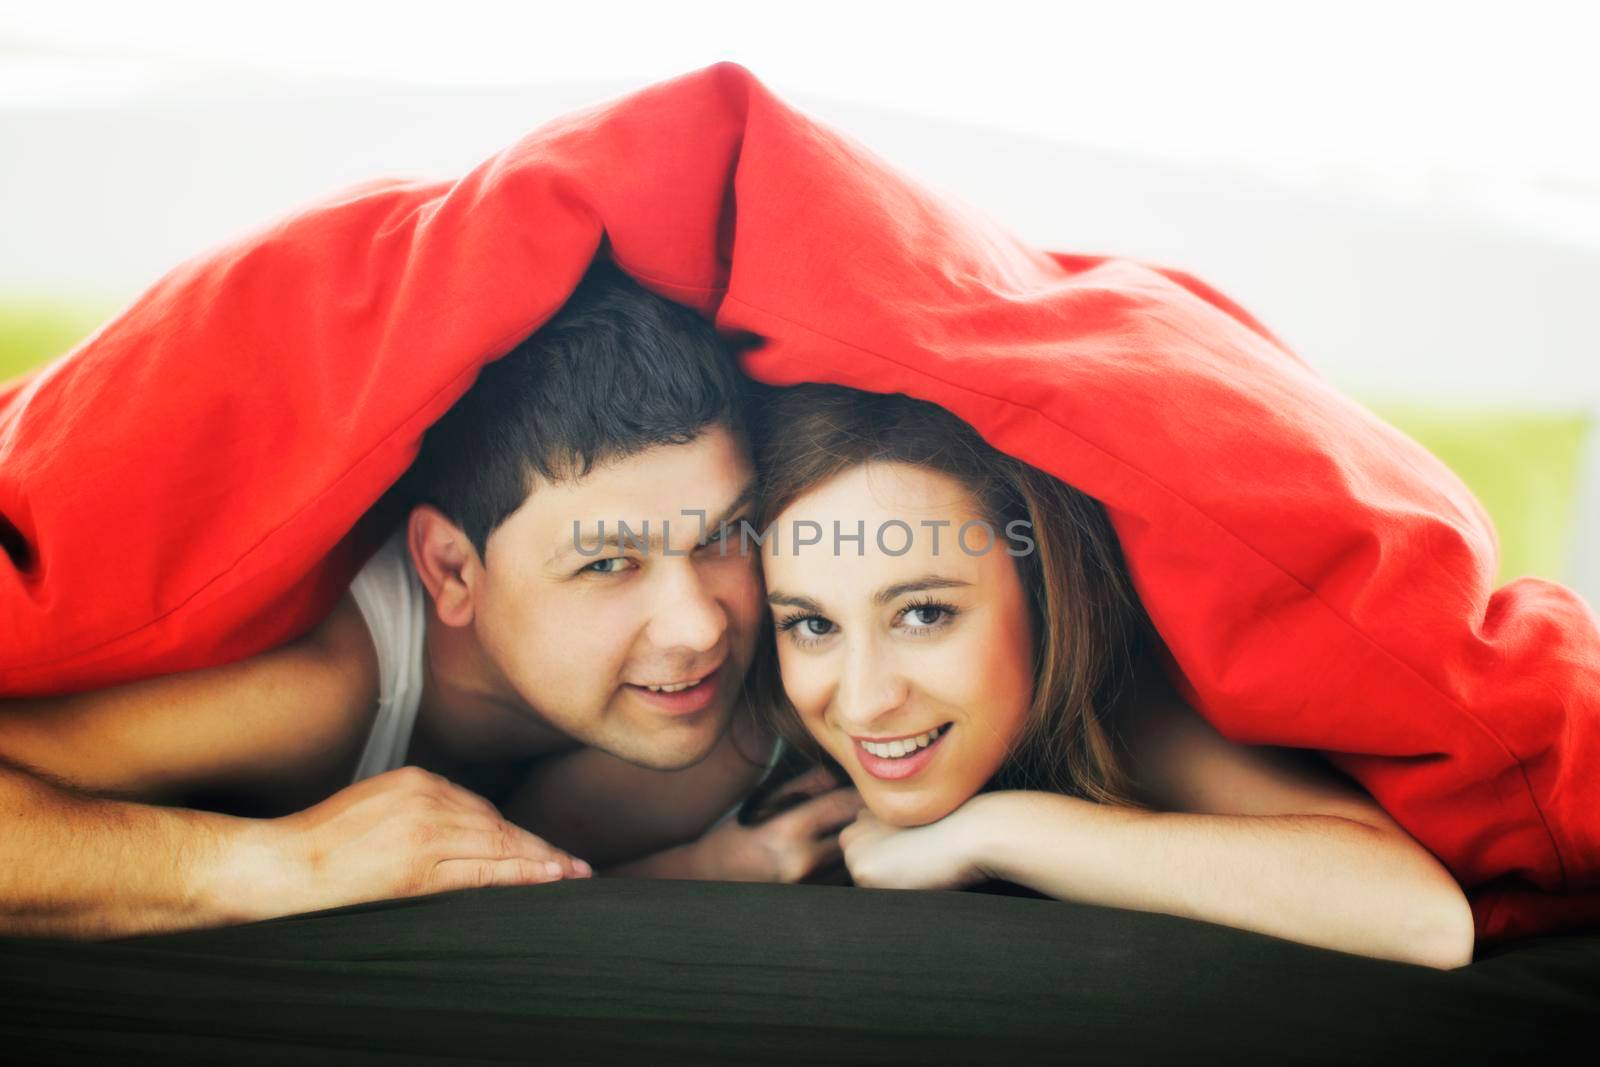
(805, 627)
(928, 616)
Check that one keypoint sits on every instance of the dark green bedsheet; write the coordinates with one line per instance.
(610, 971)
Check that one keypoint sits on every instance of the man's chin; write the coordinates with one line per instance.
(668, 759)
(674, 745)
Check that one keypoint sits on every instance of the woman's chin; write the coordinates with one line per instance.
(906, 812)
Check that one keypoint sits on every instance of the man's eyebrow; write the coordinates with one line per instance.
(883, 596)
(746, 495)
(614, 539)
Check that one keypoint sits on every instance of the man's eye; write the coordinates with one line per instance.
(602, 566)
(722, 533)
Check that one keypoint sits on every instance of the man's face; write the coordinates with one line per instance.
(580, 631)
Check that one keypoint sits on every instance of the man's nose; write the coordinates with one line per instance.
(686, 615)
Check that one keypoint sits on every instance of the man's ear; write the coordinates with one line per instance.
(446, 561)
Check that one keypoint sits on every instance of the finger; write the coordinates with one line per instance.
(811, 857)
(478, 842)
(534, 845)
(814, 782)
(832, 871)
(478, 837)
(571, 866)
(454, 874)
(824, 815)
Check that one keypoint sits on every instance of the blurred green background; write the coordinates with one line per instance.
(1525, 466)
(32, 331)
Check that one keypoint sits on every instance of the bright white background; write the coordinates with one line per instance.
(1408, 193)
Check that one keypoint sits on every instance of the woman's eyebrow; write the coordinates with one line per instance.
(804, 603)
(882, 596)
(916, 585)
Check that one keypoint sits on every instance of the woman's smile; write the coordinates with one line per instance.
(901, 757)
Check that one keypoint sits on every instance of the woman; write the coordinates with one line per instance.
(1002, 710)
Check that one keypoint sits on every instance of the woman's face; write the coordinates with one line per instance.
(913, 670)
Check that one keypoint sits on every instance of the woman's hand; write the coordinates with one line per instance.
(792, 846)
(799, 844)
(940, 855)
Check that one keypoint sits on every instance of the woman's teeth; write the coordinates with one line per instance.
(679, 687)
(903, 747)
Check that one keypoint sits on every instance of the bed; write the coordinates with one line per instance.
(608, 971)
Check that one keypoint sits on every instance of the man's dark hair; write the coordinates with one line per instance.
(616, 371)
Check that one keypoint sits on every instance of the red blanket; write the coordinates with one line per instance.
(185, 487)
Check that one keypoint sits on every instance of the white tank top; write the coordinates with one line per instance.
(394, 604)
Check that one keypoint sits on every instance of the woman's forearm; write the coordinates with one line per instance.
(1317, 879)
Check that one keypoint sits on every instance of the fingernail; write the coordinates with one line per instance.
(583, 869)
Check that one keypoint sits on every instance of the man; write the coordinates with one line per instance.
(506, 645)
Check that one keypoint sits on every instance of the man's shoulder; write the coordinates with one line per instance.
(341, 654)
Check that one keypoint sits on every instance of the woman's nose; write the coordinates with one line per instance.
(871, 688)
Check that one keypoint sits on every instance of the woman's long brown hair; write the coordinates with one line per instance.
(1090, 630)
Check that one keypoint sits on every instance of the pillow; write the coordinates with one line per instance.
(188, 486)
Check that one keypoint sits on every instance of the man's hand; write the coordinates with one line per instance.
(404, 833)
(796, 845)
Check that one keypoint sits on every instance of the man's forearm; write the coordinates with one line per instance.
(679, 861)
(79, 866)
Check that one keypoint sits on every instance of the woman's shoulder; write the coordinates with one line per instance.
(1179, 760)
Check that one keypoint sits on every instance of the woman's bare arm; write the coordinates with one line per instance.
(1255, 838)
(1259, 838)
